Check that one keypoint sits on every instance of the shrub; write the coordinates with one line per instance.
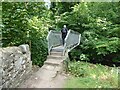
(26, 22)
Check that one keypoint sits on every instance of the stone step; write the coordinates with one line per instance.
(56, 57)
(53, 62)
(57, 50)
(56, 53)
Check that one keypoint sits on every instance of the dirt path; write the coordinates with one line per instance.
(45, 77)
(50, 75)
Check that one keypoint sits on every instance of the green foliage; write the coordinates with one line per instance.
(86, 75)
(39, 51)
(38, 40)
(84, 57)
(13, 17)
(100, 28)
(26, 22)
(99, 24)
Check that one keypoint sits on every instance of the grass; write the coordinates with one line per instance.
(87, 75)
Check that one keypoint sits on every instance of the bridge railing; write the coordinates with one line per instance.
(54, 39)
(71, 41)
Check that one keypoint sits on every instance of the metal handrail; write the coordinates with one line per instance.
(71, 41)
(69, 46)
(49, 34)
(76, 44)
(65, 41)
(53, 39)
(49, 47)
(67, 35)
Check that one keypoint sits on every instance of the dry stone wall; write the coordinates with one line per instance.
(15, 65)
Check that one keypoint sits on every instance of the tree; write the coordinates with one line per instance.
(26, 22)
(98, 23)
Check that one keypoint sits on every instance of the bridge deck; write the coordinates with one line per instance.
(58, 48)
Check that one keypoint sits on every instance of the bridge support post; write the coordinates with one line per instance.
(66, 62)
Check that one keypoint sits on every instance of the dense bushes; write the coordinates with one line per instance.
(38, 33)
(26, 22)
(100, 28)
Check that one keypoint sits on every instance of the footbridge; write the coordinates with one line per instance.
(54, 39)
(51, 74)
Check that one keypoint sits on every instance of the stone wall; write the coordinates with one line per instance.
(15, 65)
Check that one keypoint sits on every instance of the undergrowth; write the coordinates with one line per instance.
(87, 75)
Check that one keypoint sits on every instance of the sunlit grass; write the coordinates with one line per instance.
(86, 75)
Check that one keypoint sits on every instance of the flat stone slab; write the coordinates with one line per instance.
(53, 62)
(56, 53)
(48, 67)
(55, 57)
(58, 48)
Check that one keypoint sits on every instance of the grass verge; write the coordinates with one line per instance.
(87, 75)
